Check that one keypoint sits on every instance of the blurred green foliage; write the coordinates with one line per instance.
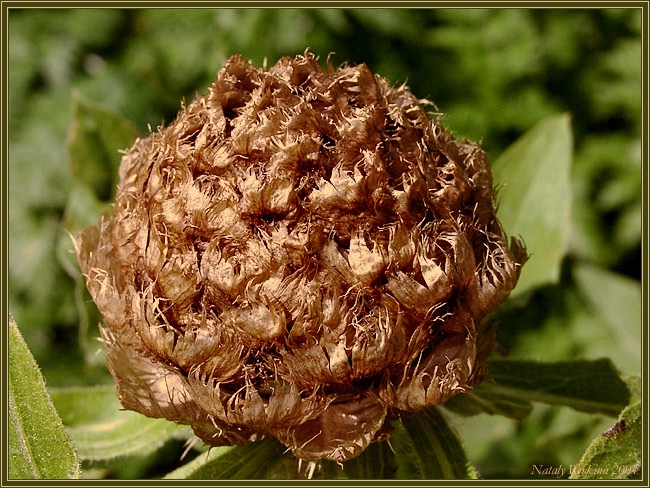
(494, 73)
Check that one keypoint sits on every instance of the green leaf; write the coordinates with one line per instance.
(533, 175)
(377, 462)
(94, 139)
(39, 446)
(252, 461)
(487, 398)
(616, 453)
(427, 448)
(617, 300)
(101, 430)
(588, 386)
(333, 471)
(185, 471)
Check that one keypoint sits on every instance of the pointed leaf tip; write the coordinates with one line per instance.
(533, 178)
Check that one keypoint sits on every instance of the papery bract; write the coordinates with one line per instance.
(301, 254)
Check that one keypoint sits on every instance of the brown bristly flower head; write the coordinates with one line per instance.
(301, 254)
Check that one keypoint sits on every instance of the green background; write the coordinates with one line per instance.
(495, 73)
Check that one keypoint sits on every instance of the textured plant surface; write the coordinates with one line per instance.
(100, 76)
(302, 253)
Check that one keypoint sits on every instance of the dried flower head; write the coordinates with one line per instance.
(301, 254)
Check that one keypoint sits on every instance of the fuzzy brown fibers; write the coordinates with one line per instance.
(301, 254)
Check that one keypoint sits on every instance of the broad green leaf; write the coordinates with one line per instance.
(188, 469)
(617, 300)
(533, 177)
(94, 139)
(427, 448)
(487, 398)
(375, 463)
(589, 386)
(252, 461)
(39, 446)
(101, 430)
(617, 452)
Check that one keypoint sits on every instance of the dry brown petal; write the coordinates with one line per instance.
(301, 254)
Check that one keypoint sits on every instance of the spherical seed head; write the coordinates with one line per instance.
(301, 254)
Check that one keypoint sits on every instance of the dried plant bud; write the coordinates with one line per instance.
(301, 254)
